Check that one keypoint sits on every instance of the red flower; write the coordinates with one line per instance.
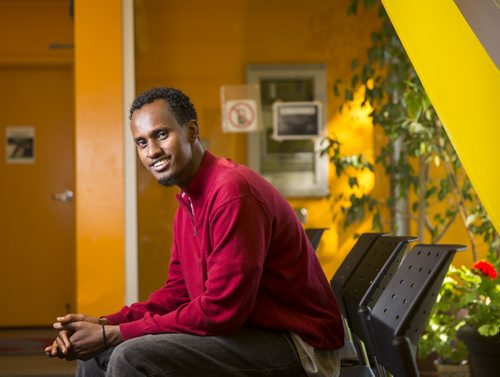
(485, 268)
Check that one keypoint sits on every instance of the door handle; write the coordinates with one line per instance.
(65, 196)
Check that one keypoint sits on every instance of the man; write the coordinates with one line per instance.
(245, 293)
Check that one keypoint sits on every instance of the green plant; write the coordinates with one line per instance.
(416, 146)
(467, 296)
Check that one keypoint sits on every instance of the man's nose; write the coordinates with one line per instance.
(153, 149)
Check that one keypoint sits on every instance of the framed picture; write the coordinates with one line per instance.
(297, 120)
(20, 145)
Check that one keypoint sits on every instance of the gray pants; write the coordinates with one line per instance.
(248, 352)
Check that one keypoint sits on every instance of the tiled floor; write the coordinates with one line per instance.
(31, 363)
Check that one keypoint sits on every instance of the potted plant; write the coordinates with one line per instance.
(440, 337)
(479, 291)
(466, 320)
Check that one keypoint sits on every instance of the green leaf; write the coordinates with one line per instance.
(488, 330)
(353, 181)
(354, 81)
(431, 191)
(414, 206)
(336, 90)
(414, 105)
(352, 9)
(416, 127)
(348, 95)
(377, 222)
(470, 219)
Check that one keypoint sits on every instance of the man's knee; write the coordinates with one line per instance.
(130, 357)
(94, 367)
(149, 354)
(123, 353)
(88, 368)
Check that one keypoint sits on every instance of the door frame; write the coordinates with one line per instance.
(130, 220)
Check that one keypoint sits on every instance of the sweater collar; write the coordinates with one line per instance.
(199, 181)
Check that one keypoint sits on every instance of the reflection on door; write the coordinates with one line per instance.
(37, 245)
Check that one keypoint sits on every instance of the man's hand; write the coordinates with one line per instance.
(68, 318)
(62, 347)
(86, 339)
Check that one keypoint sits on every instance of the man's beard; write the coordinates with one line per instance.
(169, 180)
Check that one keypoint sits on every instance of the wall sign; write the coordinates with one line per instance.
(20, 144)
(240, 108)
(297, 120)
(241, 115)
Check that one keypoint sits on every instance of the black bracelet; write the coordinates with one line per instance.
(104, 337)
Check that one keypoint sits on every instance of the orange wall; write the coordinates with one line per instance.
(36, 89)
(99, 156)
(199, 46)
(29, 27)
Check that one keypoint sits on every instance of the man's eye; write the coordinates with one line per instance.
(141, 144)
(162, 135)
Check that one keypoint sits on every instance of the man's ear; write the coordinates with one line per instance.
(193, 130)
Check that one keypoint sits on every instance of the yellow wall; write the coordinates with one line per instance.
(199, 46)
(463, 84)
(99, 156)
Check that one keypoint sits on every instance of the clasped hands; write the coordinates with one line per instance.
(81, 337)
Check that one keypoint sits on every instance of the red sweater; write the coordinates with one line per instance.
(242, 259)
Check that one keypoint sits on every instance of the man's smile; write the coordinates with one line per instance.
(160, 163)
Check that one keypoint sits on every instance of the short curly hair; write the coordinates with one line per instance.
(180, 105)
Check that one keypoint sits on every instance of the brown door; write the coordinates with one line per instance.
(37, 245)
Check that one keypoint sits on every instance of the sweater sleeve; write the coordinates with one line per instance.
(240, 235)
(166, 299)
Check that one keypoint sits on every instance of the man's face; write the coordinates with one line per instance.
(164, 145)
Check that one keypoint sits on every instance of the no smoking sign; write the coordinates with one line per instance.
(241, 115)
